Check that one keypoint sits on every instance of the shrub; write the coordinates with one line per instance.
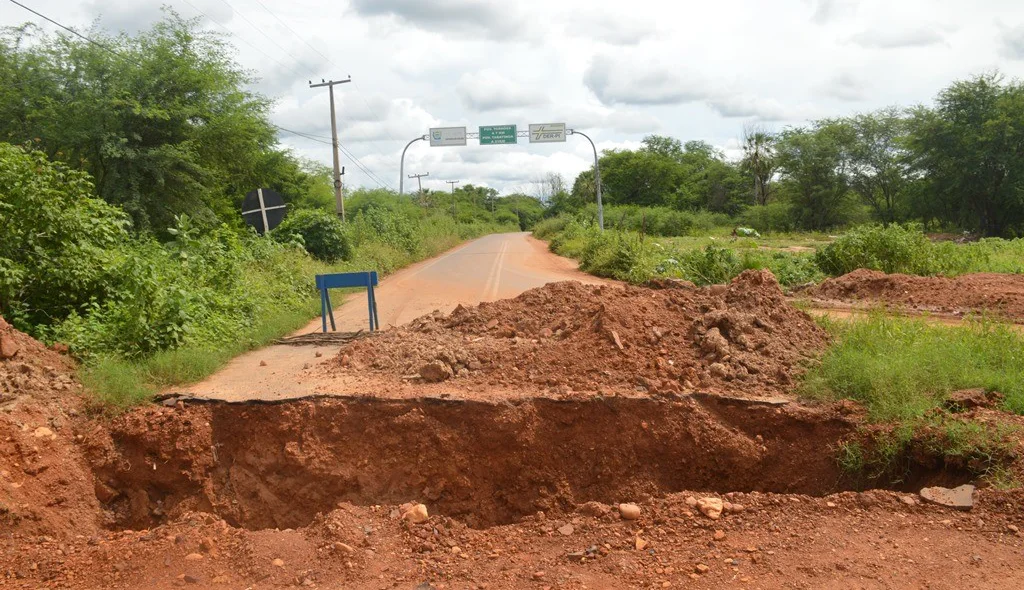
(773, 217)
(321, 233)
(57, 241)
(551, 226)
(892, 249)
(379, 224)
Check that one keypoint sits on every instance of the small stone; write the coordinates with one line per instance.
(263, 363)
(830, 504)
(436, 372)
(44, 432)
(640, 544)
(737, 508)
(961, 498)
(719, 535)
(566, 529)
(191, 579)
(8, 347)
(700, 568)
(710, 507)
(629, 511)
(1012, 528)
(193, 557)
(345, 548)
(538, 575)
(691, 501)
(416, 514)
(220, 580)
(318, 354)
(909, 500)
(278, 562)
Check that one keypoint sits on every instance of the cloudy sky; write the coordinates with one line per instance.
(616, 70)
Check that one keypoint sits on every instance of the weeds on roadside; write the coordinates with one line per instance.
(902, 370)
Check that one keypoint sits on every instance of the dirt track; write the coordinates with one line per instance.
(493, 267)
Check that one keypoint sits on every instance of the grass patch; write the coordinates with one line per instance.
(902, 370)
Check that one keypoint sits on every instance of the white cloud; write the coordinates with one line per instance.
(488, 90)
(1013, 43)
(624, 79)
(844, 87)
(481, 18)
(892, 38)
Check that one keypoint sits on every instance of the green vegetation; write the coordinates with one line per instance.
(959, 165)
(120, 190)
(903, 370)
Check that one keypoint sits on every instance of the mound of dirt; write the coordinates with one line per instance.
(45, 483)
(563, 338)
(992, 293)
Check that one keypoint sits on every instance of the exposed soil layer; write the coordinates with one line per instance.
(999, 295)
(44, 478)
(564, 338)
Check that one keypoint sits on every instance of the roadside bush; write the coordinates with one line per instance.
(551, 226)
(57, 242)
(379, 224)
(771, 218)
(321, 233)
(893, 249)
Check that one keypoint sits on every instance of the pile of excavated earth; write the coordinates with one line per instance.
(1000, 296)
(567, 338)
(655, 444)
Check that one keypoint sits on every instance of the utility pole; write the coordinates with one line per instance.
(339, 200)
(420, 183)
(453, 183)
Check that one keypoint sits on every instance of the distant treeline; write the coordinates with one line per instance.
(958, 164)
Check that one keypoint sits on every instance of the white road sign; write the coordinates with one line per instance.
(547, 132)
(442, 136)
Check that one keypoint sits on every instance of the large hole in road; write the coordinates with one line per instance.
(279, 464)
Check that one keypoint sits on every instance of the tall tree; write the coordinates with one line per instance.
(971, 149)
(759, 161)
(815, 163)
(163, 120)
(880, 162)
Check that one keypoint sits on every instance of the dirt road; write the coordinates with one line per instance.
(493, 267)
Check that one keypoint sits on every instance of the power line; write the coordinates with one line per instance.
(68, 29)
(242, 39)
(317, 138)
(260, 31)
(330, 61)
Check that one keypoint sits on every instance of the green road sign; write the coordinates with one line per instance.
(497, 134)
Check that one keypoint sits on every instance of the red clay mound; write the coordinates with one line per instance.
(46, 487)
(1000, 294)
(567, 337)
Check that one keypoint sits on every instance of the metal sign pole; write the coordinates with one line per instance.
(401, 166)
(597, 178)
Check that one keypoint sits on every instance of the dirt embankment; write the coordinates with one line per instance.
(566, 338)
(517, 493)
(45, 482)
(998, 295)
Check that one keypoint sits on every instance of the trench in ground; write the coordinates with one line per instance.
(277, 465)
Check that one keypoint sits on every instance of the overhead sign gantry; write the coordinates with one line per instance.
(504, 135)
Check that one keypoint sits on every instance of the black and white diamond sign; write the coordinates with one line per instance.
(263, 209)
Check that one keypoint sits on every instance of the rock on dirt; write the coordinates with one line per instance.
(961, 497)
(629, 511)
(710, 507)
(416, 514)
(435, 372)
